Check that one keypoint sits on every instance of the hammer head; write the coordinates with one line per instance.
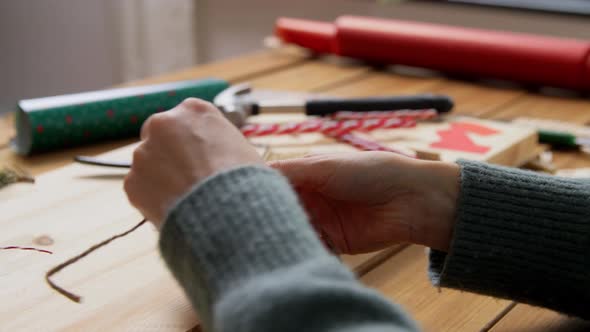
(234, 103)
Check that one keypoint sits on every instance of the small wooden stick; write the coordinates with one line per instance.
(74, 259)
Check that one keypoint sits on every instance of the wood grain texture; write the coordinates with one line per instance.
(238, 68)
(403, 279)
(126, 287)
(116, 277)
(314, 75)
(509, 145)
(525, 318)
(477, 99)
(385, 84)
(576, 110)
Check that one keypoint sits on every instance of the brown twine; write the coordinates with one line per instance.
(74, 259)
(54, 270)
(26, 248)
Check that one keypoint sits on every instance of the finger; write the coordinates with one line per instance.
(310, 173)
(195, 105)
(135, 189)
(143, 134)
(130, 186)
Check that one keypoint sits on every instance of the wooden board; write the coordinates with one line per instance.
(449, 140)
(311, 76)
(237, 69)
(75, 206)
(403, 279)
(477, 99)
(547, 107)
(525, 318)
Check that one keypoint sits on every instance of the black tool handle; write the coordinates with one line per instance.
(441, 104)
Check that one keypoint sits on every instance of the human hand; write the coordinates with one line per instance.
(180, 148)
(365, 201)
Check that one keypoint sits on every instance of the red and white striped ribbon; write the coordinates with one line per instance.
(367, 145)
(341, 125)
(326, 126)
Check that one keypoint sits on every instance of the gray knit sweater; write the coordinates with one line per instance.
(241, 247)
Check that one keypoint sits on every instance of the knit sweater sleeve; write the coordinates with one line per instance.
(242, 248)
(520, 235)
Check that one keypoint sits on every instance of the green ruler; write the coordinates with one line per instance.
(50, 123)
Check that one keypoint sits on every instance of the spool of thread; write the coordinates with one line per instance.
(50, 123)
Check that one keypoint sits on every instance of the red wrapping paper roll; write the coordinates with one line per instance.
(541, 60)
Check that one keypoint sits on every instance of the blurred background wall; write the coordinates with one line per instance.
(64, 46)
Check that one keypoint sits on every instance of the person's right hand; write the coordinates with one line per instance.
(365, 201)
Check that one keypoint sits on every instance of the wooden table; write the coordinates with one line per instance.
(398, 273)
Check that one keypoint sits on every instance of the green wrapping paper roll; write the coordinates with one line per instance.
(50, 123)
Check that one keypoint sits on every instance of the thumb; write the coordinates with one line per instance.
(311, 173)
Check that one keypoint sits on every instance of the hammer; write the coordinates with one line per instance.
(237, 104)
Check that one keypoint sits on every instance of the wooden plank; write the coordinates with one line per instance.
(527, 318)
(315, 75)
(236, 69)
(476, 99)
(42, 163)
(490, 141)
(403, 279)
(363, 263)
(33, 210)
(385, 84)
(466, 138)
(546, 107)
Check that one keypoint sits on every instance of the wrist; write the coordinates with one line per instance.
(441, 192)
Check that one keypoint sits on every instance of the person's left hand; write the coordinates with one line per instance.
(180, 148)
